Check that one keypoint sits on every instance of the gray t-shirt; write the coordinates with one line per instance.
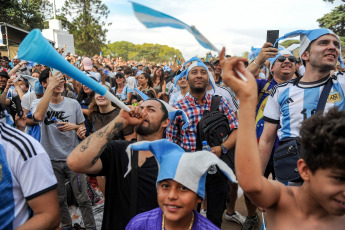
(58, 144)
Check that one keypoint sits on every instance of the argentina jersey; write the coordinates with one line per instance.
(290, 104)
(25, 173)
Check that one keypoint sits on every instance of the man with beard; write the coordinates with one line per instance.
(101, 156)
(194, 104)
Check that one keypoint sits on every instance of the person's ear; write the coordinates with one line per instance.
(166, 123)
(303, 170)
(305, 56)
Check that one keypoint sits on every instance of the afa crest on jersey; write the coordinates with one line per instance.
(334, 97)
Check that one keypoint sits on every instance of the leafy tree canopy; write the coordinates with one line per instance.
(83, 19)
(150, 52)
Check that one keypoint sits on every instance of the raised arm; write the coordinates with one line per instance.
(42, 106)
(85, 157)
(261, 191)
(267, 51)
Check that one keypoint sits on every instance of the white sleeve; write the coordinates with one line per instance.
(272, 109)
(35, 175)
(26, 101)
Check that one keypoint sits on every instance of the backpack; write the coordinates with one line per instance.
(213, 127)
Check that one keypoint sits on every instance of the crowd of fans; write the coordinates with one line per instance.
(86, 136)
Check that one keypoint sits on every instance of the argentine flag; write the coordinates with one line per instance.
(151, 18)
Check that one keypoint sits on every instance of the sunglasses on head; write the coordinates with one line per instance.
(283, 58)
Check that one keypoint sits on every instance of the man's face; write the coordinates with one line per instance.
(176, 201)
(153, 115)
(324, 53)
(210, 69)
(3, 82)
(22, 86)
(198, 79)
(284, 68)
(3, 63)
(35, 74)
(327, 187)
(59, 89)
(140, 67)
(15, 61)
(217, 69)
(182, 82)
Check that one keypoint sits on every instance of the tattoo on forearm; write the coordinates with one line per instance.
(101, 133)
(84, 147)
(117, 128)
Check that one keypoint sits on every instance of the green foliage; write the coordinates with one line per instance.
(25, 14)
(245, 54)
(288, 43)
(148, 51)
(335, 21)
(86, 24)
(332, 1)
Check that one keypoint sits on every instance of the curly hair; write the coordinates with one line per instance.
(323, 140)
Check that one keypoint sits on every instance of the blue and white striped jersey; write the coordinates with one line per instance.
(25, 173)
(289, 104)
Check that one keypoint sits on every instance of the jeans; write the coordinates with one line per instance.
(216, 190)
(62, 172)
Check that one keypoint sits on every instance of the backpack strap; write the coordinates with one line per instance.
(134, 184)
(324, 95)
(215, 103)
(263, 90)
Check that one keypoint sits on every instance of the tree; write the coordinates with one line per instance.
(288, 43)
(150, 52)
(86, 24)
(335, 21)
(25, 14)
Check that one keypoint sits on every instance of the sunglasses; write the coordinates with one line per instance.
(283, 58)
(118, 77)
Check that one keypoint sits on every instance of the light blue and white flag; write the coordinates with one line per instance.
(151, 18)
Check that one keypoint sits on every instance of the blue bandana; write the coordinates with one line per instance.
(195, 62)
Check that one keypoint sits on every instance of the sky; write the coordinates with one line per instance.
(236, 25)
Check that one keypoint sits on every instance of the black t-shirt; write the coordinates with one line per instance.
(117, 189)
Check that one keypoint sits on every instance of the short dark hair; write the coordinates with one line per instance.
(323, 140)
(127, 70)
(209, 64)
(44, 75)
(163, 108)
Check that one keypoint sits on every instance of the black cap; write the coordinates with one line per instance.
(4, 74)
(216, 62)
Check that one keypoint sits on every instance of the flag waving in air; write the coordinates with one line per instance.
(151, 18)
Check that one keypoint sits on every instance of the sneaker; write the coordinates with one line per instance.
(235, 217)
(251, 223)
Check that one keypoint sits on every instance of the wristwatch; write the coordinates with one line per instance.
(224, 149)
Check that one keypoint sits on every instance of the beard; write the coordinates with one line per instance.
(197, 90)
(148, 130)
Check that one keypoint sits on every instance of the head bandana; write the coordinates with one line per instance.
(308, 36)
(196, 62)
(280, 53)
(176, 164)
(172, 111)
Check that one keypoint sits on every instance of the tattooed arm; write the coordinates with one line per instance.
(85, 157)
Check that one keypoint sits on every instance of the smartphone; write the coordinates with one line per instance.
(272, 36)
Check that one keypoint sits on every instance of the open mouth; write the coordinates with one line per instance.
(342, 203)
(172, 208)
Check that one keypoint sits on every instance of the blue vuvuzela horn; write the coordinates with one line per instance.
(36, 48)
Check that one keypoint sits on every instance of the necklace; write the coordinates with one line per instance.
(189, 228)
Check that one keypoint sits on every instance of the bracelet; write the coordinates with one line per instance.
(256, 64)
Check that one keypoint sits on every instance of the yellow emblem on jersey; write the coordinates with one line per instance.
(334, 97)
